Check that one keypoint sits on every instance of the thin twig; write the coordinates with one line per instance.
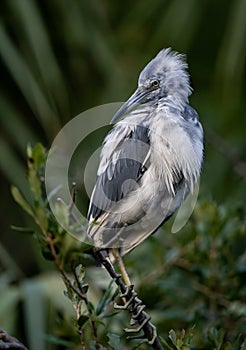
(58, 264)
(93, 324)
(78, 291)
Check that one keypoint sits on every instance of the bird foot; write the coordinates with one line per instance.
(136, 307)
(151, 341)
(131, 302)
(138, 313)
(140, 328)
(129, 292)
(128, 297)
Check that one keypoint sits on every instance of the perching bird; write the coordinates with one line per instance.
(150, 160)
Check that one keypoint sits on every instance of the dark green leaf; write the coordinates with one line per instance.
(163, 341)
(82, 320)
(47, 254)
(85, 288)
(18, 197)
(110, 314)
(34, 183)
(38, 155)
(105, 299)
(41, 218)
(90, 307)
(22, 229)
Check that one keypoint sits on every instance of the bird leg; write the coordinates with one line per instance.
(121, 265)
(102, 257)
(132, 303)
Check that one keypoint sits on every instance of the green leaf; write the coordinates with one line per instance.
(38, 155)
(18, 197)
(179, 344)
(34, 182)
(82, 320)
(163, 341)
(173, 337)
(61, 213)
(41, 218)
(29, 150)
(110, 314)
(216, 337)
(105, 299)
(90, 307)
(85, 287)
(22, 229)
(97, 321)
(47, 254)
(114, 341)
(36, 159)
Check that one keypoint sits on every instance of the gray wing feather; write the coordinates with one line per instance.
(119, 172)
(190, 114)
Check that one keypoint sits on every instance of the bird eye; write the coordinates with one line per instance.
(155, 83)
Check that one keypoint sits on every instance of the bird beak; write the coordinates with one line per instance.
(132, 103)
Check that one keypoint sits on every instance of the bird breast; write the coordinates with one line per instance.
(173, 152)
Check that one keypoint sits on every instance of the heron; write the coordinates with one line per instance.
(149, 163)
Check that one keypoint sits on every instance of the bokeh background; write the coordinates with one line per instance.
(59, 58)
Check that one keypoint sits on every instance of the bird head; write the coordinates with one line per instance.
(164, 76)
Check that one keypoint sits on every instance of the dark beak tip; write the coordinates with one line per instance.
(129, 105)
(118, 115)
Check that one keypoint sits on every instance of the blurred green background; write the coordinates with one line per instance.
(59, 58)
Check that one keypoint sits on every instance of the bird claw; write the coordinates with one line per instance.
(129, 293)
(139, 328)
(151, 341)
(118, 276)
(135, 306)
(137, 311)
(140, 309)
(126, 305)
(133, 322)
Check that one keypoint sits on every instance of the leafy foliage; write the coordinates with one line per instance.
(54, 242)
(194, 280)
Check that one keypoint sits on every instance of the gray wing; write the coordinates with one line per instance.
(190, 114)
(193, 127)
(123, 163)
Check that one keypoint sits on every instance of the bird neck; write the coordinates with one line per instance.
(174, 101)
